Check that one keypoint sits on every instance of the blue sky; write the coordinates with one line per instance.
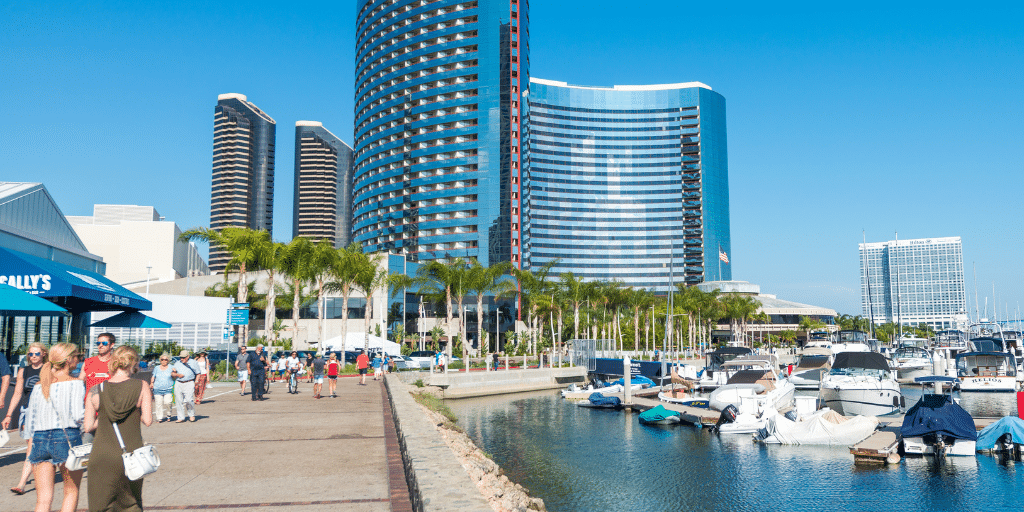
(841, 119)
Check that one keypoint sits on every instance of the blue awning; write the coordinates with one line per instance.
(14, 302)
(132, 319)
(76, 289)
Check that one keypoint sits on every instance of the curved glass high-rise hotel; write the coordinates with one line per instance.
(627, 182)
(437, 127)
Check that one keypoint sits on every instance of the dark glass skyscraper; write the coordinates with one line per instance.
(437, 127)
(322, 207)
(627, 182)
(242, 194)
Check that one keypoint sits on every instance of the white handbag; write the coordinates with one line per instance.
(139, 462)
(4, 437)
(78, 456)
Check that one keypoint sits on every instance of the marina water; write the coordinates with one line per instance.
(579, 459)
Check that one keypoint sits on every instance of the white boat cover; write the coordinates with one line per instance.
(822, 428)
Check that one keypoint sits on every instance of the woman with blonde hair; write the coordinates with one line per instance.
(55, 414)
(127, 402)
(27, 379)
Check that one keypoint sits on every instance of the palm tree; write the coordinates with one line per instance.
(321, 261)
(343, 270)
(244, 245)
(445, 278)
(271, 257)
(368, 278)
(400, 283)
(487, 281)
(638, 300)
(531, 286)
(295, 265)
(577, 292)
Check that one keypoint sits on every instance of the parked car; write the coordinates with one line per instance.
(406, 363)
(422, 357)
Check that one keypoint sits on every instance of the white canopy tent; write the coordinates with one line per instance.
(355, 341)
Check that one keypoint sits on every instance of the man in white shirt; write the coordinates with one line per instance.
(292, 366)
(185, 372)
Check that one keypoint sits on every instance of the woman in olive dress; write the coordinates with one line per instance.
(129, 403)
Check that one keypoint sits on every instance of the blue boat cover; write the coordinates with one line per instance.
(1007, 424)
(656, 414)
(599, 399)
(636, 379)
(937, 414)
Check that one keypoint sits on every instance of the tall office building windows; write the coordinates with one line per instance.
(322, 208)
(627, 182)
(914, 281)
(437, 124)
(242, 194)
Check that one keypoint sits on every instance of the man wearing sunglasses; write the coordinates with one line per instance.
(94, 370)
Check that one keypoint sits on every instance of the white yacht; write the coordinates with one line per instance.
(812, 363)
(754, 385)
(986, 369)
(851, 341)
(861, 383)
(911, 362)
(947, 344)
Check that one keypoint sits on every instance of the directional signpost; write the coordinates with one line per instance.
(237, 314)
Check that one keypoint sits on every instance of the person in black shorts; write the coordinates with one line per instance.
(333, 369)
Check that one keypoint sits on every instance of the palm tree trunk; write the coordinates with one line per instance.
(270, 315)
(321, 310)
(480, 322)
(243, 297)
(295, 310)
(345, 291)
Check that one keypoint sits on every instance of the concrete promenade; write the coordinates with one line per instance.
(289, 453)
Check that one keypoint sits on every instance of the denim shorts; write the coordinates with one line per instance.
(52, 445)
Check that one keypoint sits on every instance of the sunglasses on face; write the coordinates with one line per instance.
(35, 354)
(104, 343)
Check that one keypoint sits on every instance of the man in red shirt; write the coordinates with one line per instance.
(94, 369)
(362, 361)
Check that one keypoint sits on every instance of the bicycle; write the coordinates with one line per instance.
(266, 382)
(293, 381)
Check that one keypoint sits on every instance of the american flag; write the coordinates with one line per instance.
(722, 256)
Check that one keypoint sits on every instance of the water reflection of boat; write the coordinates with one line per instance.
(813, 362)
(937, 425)
(861, 383)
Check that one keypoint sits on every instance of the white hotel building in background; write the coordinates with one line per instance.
(914, 281)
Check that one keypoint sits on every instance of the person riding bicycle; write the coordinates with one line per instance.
(292, 366)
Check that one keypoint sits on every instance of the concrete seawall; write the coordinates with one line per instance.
(437, 481)
(479, 383)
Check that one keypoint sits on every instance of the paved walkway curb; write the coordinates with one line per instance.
(437, 481)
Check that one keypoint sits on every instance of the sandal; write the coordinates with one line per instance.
(18, 490)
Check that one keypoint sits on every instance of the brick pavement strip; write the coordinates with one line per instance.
(290, 452)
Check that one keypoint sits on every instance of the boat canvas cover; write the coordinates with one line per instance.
(748, 376)
(717, 357)
(599, 399)
(634, 380)
(867, 360)
(937, 414)
(990, 435)
(829, 428)
(656, 414)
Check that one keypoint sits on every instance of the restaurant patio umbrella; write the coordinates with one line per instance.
(14, 302)
(132, 320)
